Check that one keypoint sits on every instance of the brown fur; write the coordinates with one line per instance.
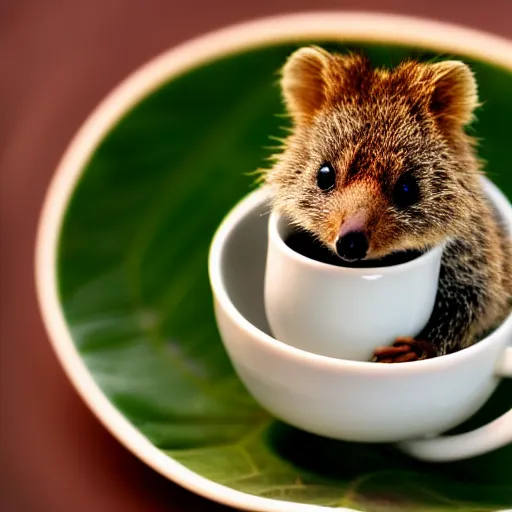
(372, 125)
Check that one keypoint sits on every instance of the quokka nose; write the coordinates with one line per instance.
(352, 246)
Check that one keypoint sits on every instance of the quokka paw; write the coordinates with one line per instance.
(404, 350)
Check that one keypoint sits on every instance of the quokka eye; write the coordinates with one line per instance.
(326, 177)
(406, 191)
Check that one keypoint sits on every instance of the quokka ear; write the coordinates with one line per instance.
(454, 95)
(304, 82)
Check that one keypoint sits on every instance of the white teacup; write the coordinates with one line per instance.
(344, 312)
(351, 400)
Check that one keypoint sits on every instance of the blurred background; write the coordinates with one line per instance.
(62, 57)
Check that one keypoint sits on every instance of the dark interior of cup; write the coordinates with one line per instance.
(306, 244)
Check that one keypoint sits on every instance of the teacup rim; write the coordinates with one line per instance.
(319, 266)
(260, 196)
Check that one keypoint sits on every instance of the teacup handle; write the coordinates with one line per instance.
(494, 435)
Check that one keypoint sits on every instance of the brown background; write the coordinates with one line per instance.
(62, 57)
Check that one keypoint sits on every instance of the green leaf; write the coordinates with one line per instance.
(134, 287)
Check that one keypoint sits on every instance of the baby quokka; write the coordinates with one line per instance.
(378, 161)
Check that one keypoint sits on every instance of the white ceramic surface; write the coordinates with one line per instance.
(350, 400)
(344, 312)
(443, 37)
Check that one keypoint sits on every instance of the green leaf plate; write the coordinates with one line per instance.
(122, 269)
